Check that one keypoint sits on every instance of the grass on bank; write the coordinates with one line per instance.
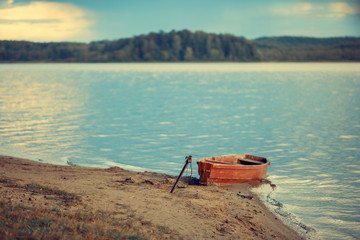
(21, 221)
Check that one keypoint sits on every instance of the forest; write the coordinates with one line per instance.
(185, 46)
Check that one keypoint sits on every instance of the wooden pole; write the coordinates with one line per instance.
(188, 160)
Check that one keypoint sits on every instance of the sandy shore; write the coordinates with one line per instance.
(191, 212)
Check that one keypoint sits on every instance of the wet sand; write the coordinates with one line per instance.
(192, 211)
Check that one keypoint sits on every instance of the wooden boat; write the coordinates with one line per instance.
(226, 170)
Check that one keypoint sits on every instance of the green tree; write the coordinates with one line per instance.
(188, 56)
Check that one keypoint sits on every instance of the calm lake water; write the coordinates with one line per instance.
(305, 118)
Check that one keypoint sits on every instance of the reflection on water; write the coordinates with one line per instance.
(304, 117)
(40, 118)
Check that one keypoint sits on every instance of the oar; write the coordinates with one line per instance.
(188, 160)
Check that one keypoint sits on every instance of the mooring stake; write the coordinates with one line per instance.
(188, 160)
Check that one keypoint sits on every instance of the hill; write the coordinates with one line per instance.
(179, 46)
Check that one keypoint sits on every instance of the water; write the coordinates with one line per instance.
(305, 118)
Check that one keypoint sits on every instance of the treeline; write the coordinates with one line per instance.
(154, 47)
(178, 46)
(309, 49)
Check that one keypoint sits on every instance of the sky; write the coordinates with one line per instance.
(94, 20)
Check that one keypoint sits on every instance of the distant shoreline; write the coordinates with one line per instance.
(203, 67)
(194, 62)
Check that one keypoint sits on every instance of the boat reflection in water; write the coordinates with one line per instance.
(226, 170)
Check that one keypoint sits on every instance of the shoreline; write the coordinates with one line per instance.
(131, 203)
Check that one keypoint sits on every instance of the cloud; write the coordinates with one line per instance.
(43, 21)
(341, 9)
(302, 8)
(298, 9)
(327, 10)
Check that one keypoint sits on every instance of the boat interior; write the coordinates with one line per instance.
(238, 159)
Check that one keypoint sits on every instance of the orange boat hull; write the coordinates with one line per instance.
(226, 170)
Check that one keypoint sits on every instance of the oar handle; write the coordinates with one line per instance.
(188, 160)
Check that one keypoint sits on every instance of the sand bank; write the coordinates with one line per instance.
(136, 201)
